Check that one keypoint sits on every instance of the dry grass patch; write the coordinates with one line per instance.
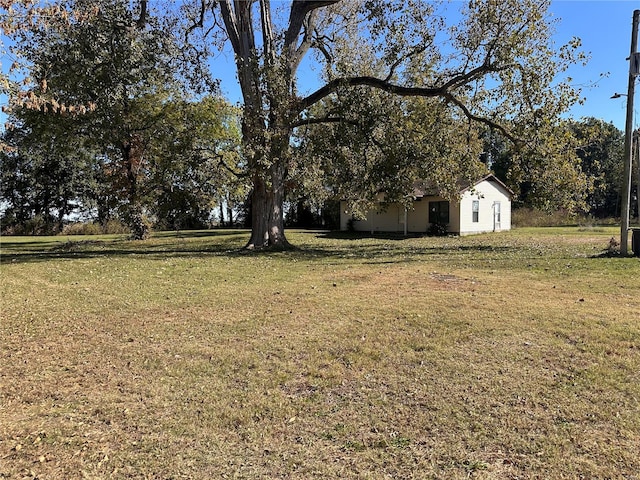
(496, 356)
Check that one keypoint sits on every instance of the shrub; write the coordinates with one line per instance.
(438, 229)
(95, 228)
(531, 217)
(114, 226)
(91, 228)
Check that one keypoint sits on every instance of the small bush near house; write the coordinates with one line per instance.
(437, 229)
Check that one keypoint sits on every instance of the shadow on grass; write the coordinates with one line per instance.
(346, 235)
(160, 245)
(230, 243)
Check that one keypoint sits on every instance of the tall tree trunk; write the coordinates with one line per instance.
(229, 212)
(267, 212)
(267, 81)
(134, 217)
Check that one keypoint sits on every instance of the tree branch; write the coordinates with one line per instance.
(267, 32)
(199, 23)
(373, 82)
(301, 13)
(323, 120)
(221, 162)
(230, 22)
(476, 118)
(142, 19)
(414, 51)
(320, 45)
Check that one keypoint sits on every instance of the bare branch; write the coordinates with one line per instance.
(142, 19)
(231, 23)
(414, 51)
(443, 91)
(384, 84)
(323, 120)
(320, 45)
(373, 82)
(267, 32)
(223, 164)
(478, 72)
(301, 16)
(200, 22)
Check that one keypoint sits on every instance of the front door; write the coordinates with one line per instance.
(496, 216)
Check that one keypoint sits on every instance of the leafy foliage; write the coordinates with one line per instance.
(46, 174)
(387, 144)
(498, 67)
(196, 163)
(583, 171)
(601, 149)
(406, 89)
(113, 83)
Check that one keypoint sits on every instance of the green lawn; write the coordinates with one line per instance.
(511, 355)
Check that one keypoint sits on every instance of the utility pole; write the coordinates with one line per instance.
(636, 139)
(628, 138)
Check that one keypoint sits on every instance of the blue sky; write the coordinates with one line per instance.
(605, 29)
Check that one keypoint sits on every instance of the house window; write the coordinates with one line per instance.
(475, 208)
(439, 213)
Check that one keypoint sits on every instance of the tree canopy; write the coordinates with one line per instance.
(107, 79)
(497, 67)
(406, 89)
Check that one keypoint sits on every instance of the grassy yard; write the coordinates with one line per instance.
(513, 355)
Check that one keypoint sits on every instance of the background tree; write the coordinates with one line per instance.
(597, 169)
(46, 174)
(547, 178)
(394, 143)
(197, 164)
(601, 149)
(498, 67)
(111, 72)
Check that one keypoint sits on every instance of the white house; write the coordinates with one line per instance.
(484, 206)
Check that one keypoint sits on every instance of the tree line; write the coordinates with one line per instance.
(119, 113)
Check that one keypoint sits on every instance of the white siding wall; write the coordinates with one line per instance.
(378, 220)
(454, 217)
(487, 193)
(460, 215)
(418, 216)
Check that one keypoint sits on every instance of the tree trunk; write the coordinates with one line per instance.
(139, 228)
(269, 93)
(267, 212)
(229, 213)
(134, 217)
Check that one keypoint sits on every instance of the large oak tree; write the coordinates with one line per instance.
(498, 66)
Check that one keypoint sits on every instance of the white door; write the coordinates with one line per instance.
(496, 216)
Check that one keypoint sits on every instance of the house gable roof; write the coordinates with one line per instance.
(493, 179)
(429, 189)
